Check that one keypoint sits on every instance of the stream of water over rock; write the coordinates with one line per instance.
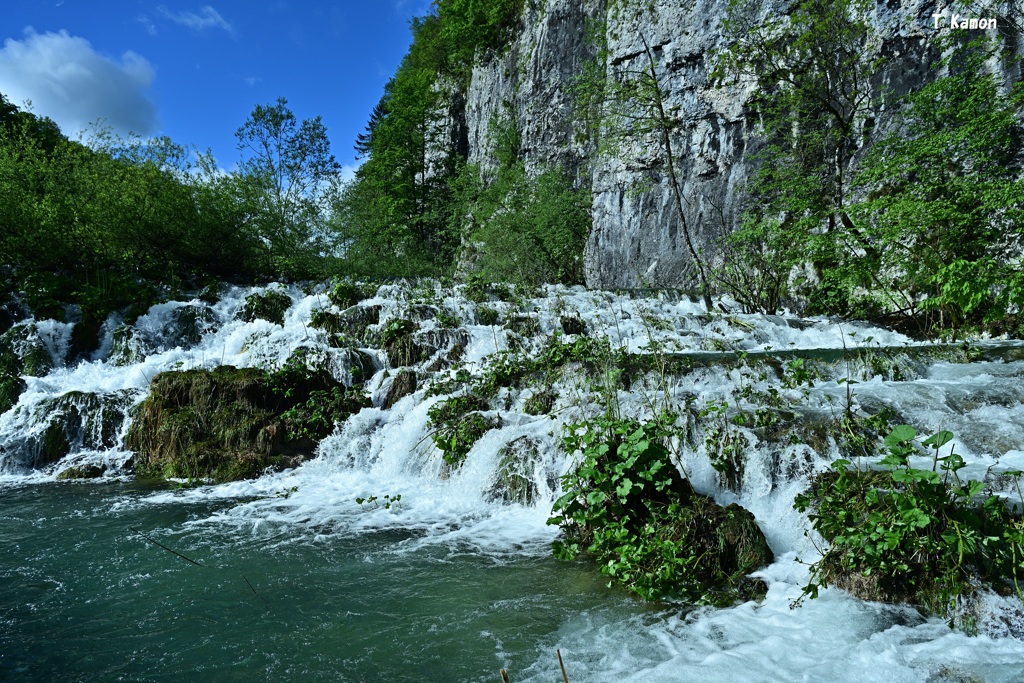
(292, 579)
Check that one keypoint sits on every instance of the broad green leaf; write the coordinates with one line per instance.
(938, 439)
(900, 434)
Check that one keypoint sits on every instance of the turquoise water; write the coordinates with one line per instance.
(84, 597)
(299, 582)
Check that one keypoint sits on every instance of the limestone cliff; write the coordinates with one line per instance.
(636, 239)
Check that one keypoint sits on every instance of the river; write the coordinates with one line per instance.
(288, 577)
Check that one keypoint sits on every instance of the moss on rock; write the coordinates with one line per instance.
(234, 423)
(514, 480)
(82, 472)
(74, 421)
(347, 328)
(403, 384)
(187, 325)
(126, 348)
(23, 352)
(11, 387)
(730, 546)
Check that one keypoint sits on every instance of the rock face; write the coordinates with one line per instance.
(636, 239)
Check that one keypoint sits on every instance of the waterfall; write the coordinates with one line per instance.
(72, 418)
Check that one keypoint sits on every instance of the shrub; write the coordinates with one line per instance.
(627, 506)
(457, 425)
(270, 305)
(344, 293)
(905, 534)
(485, 315)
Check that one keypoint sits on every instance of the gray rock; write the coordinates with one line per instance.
(636, 239)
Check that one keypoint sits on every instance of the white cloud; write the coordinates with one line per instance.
(74, 85)
(147, 23)
(348, 171)
(207, 17)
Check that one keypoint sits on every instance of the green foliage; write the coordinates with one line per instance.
(313, 401)
(395, 217)
(270, 305)
(920, 535)
(314, 418)
(814, 93)
(923, 226)
(469, 27)
(486, 315)
(522, 229)
(725, 442)
(754, 263)
(110, 225)
(345, 293)
(627, 506)
(457, 424)
(540, 402)
(944, 212)
(397, 339)
(392, 216)
(287, 182)
(388, 501)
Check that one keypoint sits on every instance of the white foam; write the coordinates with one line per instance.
(379, 453)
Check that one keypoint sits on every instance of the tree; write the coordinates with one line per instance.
(628, 104)
(943, 205)
(814, 102)
(288, 181)
(364, 141)
(517, 227)
(393, 217)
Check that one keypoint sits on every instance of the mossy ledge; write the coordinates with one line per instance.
(233, 423)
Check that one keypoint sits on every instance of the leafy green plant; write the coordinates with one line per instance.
(314, 418)
(627, 506)
(725, 442)
(343, 292)
(270, 305)
(485, 315)
(944, 198)
(911, 534)
(449, 319)
(387, 502)
(457, 424)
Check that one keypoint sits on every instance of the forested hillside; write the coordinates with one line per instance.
(840, 158)
(834, 158)
(115, 224)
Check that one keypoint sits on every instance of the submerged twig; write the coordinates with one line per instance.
(254, 590)
(198, 564)
(173, 552)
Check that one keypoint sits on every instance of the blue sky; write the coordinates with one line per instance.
(194, 71)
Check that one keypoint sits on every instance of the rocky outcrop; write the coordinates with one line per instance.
(636, 238)
(233, 423)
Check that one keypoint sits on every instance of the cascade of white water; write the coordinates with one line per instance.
(382, 452)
